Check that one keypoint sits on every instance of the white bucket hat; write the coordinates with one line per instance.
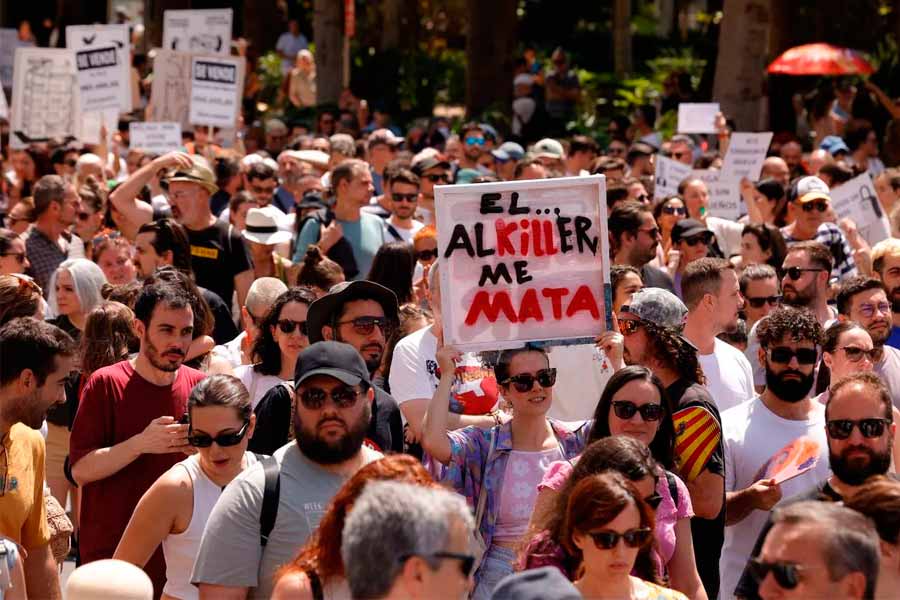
(262, 226)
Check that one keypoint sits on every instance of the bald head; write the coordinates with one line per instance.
(774, 167)
(818, 158)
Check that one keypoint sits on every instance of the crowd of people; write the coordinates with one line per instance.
(223, 372)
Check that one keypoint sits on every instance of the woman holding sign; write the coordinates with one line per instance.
(478, 463)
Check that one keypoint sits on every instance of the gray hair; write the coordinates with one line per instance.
(87, 279)
(681, 138)
(392, 521)
(850, 541)
(263, 292)
(343, 144)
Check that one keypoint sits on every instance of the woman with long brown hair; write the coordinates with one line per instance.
(317, 572)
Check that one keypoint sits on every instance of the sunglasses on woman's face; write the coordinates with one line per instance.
(442, 177)
(633, 538)
(204, 440)
(424, 255)
(674, 210)
(524, 382)
(629, 326)
(653, 500)
(787, 575)
(856, 354)
(762, 301)
(287, 326)
(625, 409)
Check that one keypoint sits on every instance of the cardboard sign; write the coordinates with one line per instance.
(90, 124)
(215, 91)
(697, 117)
(857, 200)
(89, 37)
(725, 198)
(98, 78)
(4, 106)
(523, 261)
(796, 458)
(155, 138)
(9, 41)
(669, 173)
(207, 31)
(46, 101)
(745, 156)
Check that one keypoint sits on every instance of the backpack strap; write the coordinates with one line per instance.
(271, 492)
(315, 584)
(673, 487)
(393, 232)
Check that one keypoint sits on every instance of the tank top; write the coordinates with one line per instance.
(180, 549)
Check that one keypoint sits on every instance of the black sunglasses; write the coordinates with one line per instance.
(404, 197)
(343, 397)
(203, 440)
(84, 216)
(288, 326)
(674, 210)
(366, 325)
(783, 355)
(796, 273)
(697, 239)
(820, 206)
(840, 429)
(653, 500)
(762, 301)
(466, 561)
(524, 382)
(787, 575)
(625, 409)
(633, 538)
(436, 178)
(426, 254)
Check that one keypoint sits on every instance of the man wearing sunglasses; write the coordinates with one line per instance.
(403, 186)
(865, 300)
(473, 145)
(332, 396)
(634, 238)
(860, 432)
(758, 430)
(761, 291)
(432, 170)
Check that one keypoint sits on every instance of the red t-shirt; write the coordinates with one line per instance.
(117, 404)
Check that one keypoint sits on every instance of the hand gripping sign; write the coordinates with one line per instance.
(523, 261)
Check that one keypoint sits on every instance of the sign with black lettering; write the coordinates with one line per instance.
(523, 261)
(215, 93)
(155, 138)
(206, 30)
(98, 78)
(93, 37)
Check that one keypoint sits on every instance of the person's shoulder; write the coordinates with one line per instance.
(20, 433)
(119, 371)
(414, 340)
(658, 592)
(191, 374)
(213, 299)
(734, 419)
(725, 349)
(383, 400)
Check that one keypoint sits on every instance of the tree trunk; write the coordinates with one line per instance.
(741, 65)
(490, 49)
(262, 24)
(328, 34)
(622, 56)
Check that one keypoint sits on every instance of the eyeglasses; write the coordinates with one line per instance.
(652, 232)
(426, 254)
(441, 177)
(653, 500)
(287, 326)
(629, 326)
(760, 301)
(263, 190)
(366, 325)
(840, 429)
(820, 206)
(787, 575)
(475, 141)
(674, 210)
(697, 239)
(643, 198)
(868, 310)
(84, 216)
(678, 155)
(203, 440)
(343, 397)
(796, 273)
(20, 256)
(783, 355)
(625, 409)
(466, 561)
(404, 197)
(633, 538)
(856, 354)
(524, 382)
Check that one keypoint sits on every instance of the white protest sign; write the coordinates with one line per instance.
(745, 156)
(45, 101)
(91, 122)
(707, 176)
(85, 37)
(155, 138)
(207, 31)
(98, 78)
(523, 261)
(9, 41)
(857, 200)
(215, 91)
(725, 198)
(669, 173)
(4, 106)
(697, 117)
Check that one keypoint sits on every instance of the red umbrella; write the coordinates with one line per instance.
(821, 59)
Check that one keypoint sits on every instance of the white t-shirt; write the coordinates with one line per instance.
(888, 370)
(415, 374)
(581, 375)
(256, 383)
(405, 234)
(753, 434)
(729, 377)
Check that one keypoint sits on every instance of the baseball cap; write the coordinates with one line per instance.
(334, 359)
(321, 311)
(312, 200)
(316, 158)
(833, 144)
(276, 127)
(262, 226)
(199, 173)
(811, 188)
(383, 136)
(508, 151)
(658, 306)
(546, 583)
(429, 162)
(640, 149)
(467, 175)
(548, 148)
(687, 228)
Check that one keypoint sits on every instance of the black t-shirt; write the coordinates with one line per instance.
(63, 414)
(708, 534)
(219, 202)
(273, 419)
(653, 277)
(224, 329)
(217, 256)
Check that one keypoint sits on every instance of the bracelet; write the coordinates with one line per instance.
(496, 415)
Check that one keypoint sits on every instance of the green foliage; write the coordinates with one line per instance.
(268, 69)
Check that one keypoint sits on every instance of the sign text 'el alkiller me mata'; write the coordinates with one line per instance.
(523, 261)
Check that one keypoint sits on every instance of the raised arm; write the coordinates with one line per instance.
(434, 432)
(124, 197)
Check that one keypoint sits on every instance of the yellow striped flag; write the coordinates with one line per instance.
(697, 435)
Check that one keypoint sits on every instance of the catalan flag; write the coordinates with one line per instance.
(697, 435)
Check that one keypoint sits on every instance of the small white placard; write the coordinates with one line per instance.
(697, 117)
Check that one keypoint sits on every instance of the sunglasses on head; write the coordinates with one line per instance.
(796, 273)
(674, 210)
(783, 355)
(787, 575)
(204, 440)
(426, 254)
(404, 197)
(466, 561)
(840, 429)
(625, 409)
(342, 396)
(854, 354)
(633, 538)
(287, 326)
(820, 206)
(761, 301)
(441, 177)
(475, 141)
(366, 325)
(524, 382)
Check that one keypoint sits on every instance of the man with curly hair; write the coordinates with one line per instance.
(758, 434)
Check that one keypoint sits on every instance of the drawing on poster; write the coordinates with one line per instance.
(206, 31)
(171, 92)
(45, 96)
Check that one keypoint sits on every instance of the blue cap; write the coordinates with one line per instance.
(833, 144)
(508, 151)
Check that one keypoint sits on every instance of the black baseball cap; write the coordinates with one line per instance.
(420, 166)
(321, 311)
(333, 359)
(687, 228)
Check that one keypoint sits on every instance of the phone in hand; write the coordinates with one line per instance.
(185, 419)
